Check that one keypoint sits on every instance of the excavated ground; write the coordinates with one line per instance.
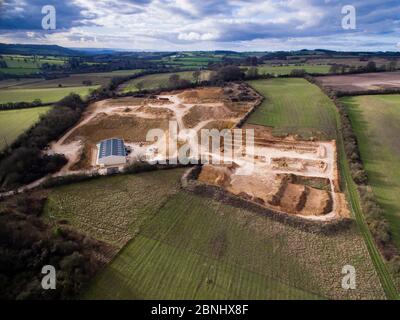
(131, 119)
(288, 175)
(296, 177)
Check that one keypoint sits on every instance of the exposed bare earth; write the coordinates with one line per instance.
(362, 82)
(297, 177)
(132, 118)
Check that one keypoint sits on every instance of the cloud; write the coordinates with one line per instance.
(194, 36)
(186, 24)
(24, 15)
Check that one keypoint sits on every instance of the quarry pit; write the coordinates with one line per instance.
(288, 175)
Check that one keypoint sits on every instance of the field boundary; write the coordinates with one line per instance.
(355, 203)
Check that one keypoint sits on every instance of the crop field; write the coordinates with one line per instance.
(376, 121)
(112, 209)
(197, 248)
(155, 81)
(15, 122)
(9, 83)
(285, 70)
(294, 106)
(46, 95)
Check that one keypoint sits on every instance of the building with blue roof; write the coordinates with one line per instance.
(111, 152)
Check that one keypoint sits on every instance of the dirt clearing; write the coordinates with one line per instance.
(132, 118)
(287, 175)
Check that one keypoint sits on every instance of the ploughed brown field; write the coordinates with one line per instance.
(362, 82)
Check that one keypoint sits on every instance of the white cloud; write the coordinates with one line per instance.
(192, 36)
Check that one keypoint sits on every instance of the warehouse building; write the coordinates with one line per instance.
(111, 152)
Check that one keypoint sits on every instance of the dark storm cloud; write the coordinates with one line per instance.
(27, 15)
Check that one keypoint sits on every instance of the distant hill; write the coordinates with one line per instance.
(35, 49)
(97, 50)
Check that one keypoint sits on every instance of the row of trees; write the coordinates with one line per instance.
(20, 105)
(369, 67)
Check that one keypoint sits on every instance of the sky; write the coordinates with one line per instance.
(172, 25)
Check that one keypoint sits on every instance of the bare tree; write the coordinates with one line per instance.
(196, 76)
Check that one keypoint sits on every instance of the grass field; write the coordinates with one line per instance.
(20, 61)
(196, 248)
(191, 59)
(376, 121)
(15, 122)
(19, 71)
(155, 81)
(112, 209)
(285, 70)
(294, 106)
(46, 95)
(20, 65)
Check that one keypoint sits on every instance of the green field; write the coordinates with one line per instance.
(286, 70)
(112, 209)
(191, 59)
(279, 114)
(196, 248)
(46, 95)
(15, 122)
(20, 65)
(20, 61)
(294, 106)
(155, 81)
(19, 71)
(376, 122)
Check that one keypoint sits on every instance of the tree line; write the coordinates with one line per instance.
(27, 244)
(22, 105)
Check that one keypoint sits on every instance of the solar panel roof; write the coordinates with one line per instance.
(112, 147)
